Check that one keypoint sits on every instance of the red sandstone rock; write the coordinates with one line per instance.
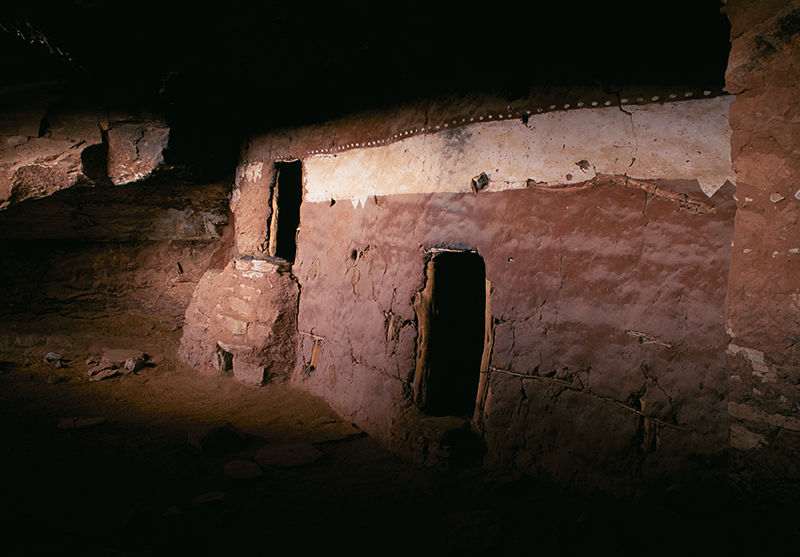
(38, 160)
(135, 150)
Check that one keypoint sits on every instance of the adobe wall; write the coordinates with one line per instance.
(763, 304)
(570, 296)
(608, 266)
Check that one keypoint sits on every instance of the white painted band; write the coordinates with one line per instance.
(686, 140)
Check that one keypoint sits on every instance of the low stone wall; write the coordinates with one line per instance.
(242, 320)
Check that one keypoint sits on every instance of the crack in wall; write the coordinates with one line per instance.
(581, 389)
(654, 379)
(625, 181)
(136, 142)
(562, 278)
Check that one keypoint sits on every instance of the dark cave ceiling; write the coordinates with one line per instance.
(221, 72)
(228, 69)
(274, 63)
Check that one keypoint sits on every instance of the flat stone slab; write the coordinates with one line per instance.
(114, 362)
(72, 423)
(102, 366)
(102, 374)
(209, 498)
(120, 355)
(439, 429)
(133, 360)
(287, 455)
(329, 429)
(262, 264)
(444, 423)
(242, 470)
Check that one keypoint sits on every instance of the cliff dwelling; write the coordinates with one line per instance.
(280, 278)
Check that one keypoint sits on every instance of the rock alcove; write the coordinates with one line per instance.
(313, 226)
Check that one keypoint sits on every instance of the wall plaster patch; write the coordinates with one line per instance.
(250, 173)
(686, 140)
(756, 358)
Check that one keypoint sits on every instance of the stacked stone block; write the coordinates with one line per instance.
(242, 320)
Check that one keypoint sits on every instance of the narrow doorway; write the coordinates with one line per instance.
(287, 195)
(456, 334)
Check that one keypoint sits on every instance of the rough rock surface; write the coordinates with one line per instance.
(47, 146)
(210, 498)
(243, 317)
(329, 429)
(763, 303)
(35, 164)
(153, 210)
(135, 150)
(94, 279)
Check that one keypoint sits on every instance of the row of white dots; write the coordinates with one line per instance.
(499, 116)
(687, 94)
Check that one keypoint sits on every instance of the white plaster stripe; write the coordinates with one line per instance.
(687, 140)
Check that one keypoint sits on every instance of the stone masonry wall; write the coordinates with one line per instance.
(242, 321)
(763, 304)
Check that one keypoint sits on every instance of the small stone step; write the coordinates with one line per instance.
(262, 264)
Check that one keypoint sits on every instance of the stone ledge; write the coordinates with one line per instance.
(262, 264)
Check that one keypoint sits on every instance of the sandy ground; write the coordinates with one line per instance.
(129, 486)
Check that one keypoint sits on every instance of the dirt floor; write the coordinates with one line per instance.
(130, 486)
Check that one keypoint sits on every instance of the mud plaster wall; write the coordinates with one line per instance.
(251, 202)
(763, 305)
(574, 276)
(610, 299)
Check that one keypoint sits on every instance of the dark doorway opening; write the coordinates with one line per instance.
(287, 195)
(457, 333)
